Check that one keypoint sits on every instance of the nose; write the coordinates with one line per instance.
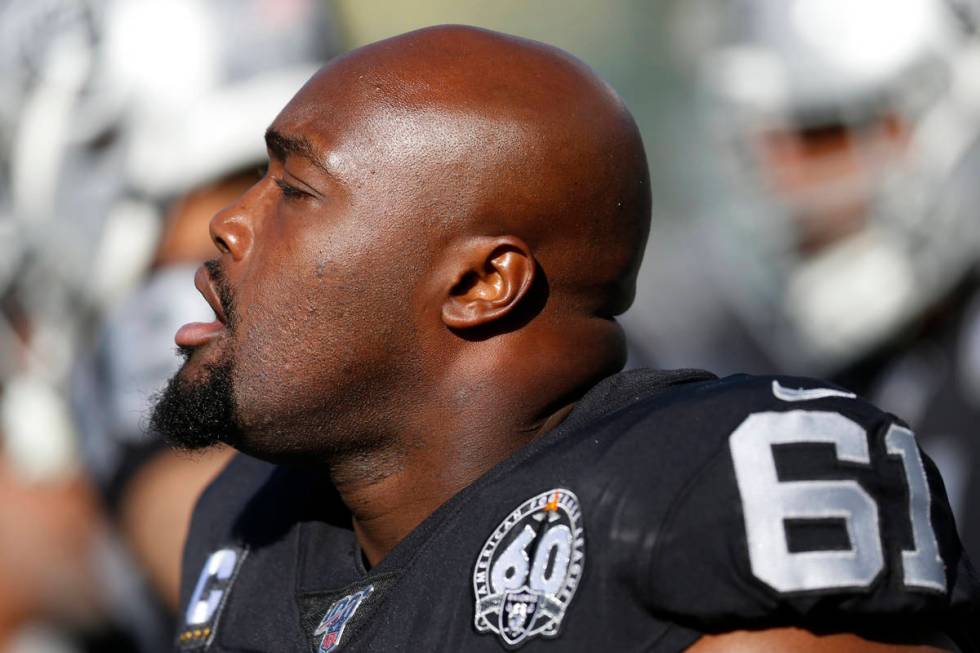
(231, 229)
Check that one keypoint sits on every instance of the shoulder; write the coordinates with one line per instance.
(217, 512)
(786, 500)
(651, 395)
(226, 495)
(734, 397)
(704, 417)
(677, 424)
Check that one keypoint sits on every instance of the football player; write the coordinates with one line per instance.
(415, 348)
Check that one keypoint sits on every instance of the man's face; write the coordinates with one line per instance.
(315, 281)
(828, 176)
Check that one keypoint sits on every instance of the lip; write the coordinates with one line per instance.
(195, 334)
(204, 285)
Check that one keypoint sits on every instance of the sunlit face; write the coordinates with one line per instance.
(339, 261)
(318, 260)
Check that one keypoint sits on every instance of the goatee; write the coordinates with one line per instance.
(197, 415)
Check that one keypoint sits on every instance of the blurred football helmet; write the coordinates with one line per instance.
(846, 143)
(109, 110)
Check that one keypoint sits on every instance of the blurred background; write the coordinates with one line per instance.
(815, 166)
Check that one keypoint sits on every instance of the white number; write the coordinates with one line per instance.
(922, 566)
(510, 571)
(217, 569)
(559, 540)
(768, 502)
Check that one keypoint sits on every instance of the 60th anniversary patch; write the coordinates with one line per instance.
(529, 568)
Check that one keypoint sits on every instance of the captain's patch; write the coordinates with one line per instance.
(529, 569)
(210, 595)
(331, 628)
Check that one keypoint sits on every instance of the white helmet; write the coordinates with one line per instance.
(108, 104)
(847, 141)
(198, 110)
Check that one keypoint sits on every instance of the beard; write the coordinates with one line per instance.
(196, 415)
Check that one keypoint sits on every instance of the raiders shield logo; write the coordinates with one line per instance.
(518, 614)
(529, 569)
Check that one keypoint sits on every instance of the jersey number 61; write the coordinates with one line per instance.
(767, 504)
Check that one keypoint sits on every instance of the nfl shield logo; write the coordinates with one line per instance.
(336, 618)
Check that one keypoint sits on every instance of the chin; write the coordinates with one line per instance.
(197, 409)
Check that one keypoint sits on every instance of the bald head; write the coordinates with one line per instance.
(450, 218)
(503, 135)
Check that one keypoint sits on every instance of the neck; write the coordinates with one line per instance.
(387, 506)
(483, 413)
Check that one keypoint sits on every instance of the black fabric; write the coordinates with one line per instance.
(313, 605)
(925, 376)
(646, 453)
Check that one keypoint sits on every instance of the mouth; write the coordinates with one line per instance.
(196, 334)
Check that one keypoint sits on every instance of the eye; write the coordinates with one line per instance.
(289, 192)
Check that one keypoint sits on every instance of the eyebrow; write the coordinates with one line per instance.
(282, 146)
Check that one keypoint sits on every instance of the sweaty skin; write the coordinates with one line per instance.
(426, 278)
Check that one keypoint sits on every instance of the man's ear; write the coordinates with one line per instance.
(491, 278)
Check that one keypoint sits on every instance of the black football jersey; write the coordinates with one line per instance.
(667, 505)
(933, 382)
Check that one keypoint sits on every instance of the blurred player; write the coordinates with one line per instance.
(843, 233)
(116, 163)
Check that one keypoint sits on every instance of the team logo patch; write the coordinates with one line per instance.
(529, 569)
(336, 618)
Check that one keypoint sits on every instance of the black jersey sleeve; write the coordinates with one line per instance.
(804, 505)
